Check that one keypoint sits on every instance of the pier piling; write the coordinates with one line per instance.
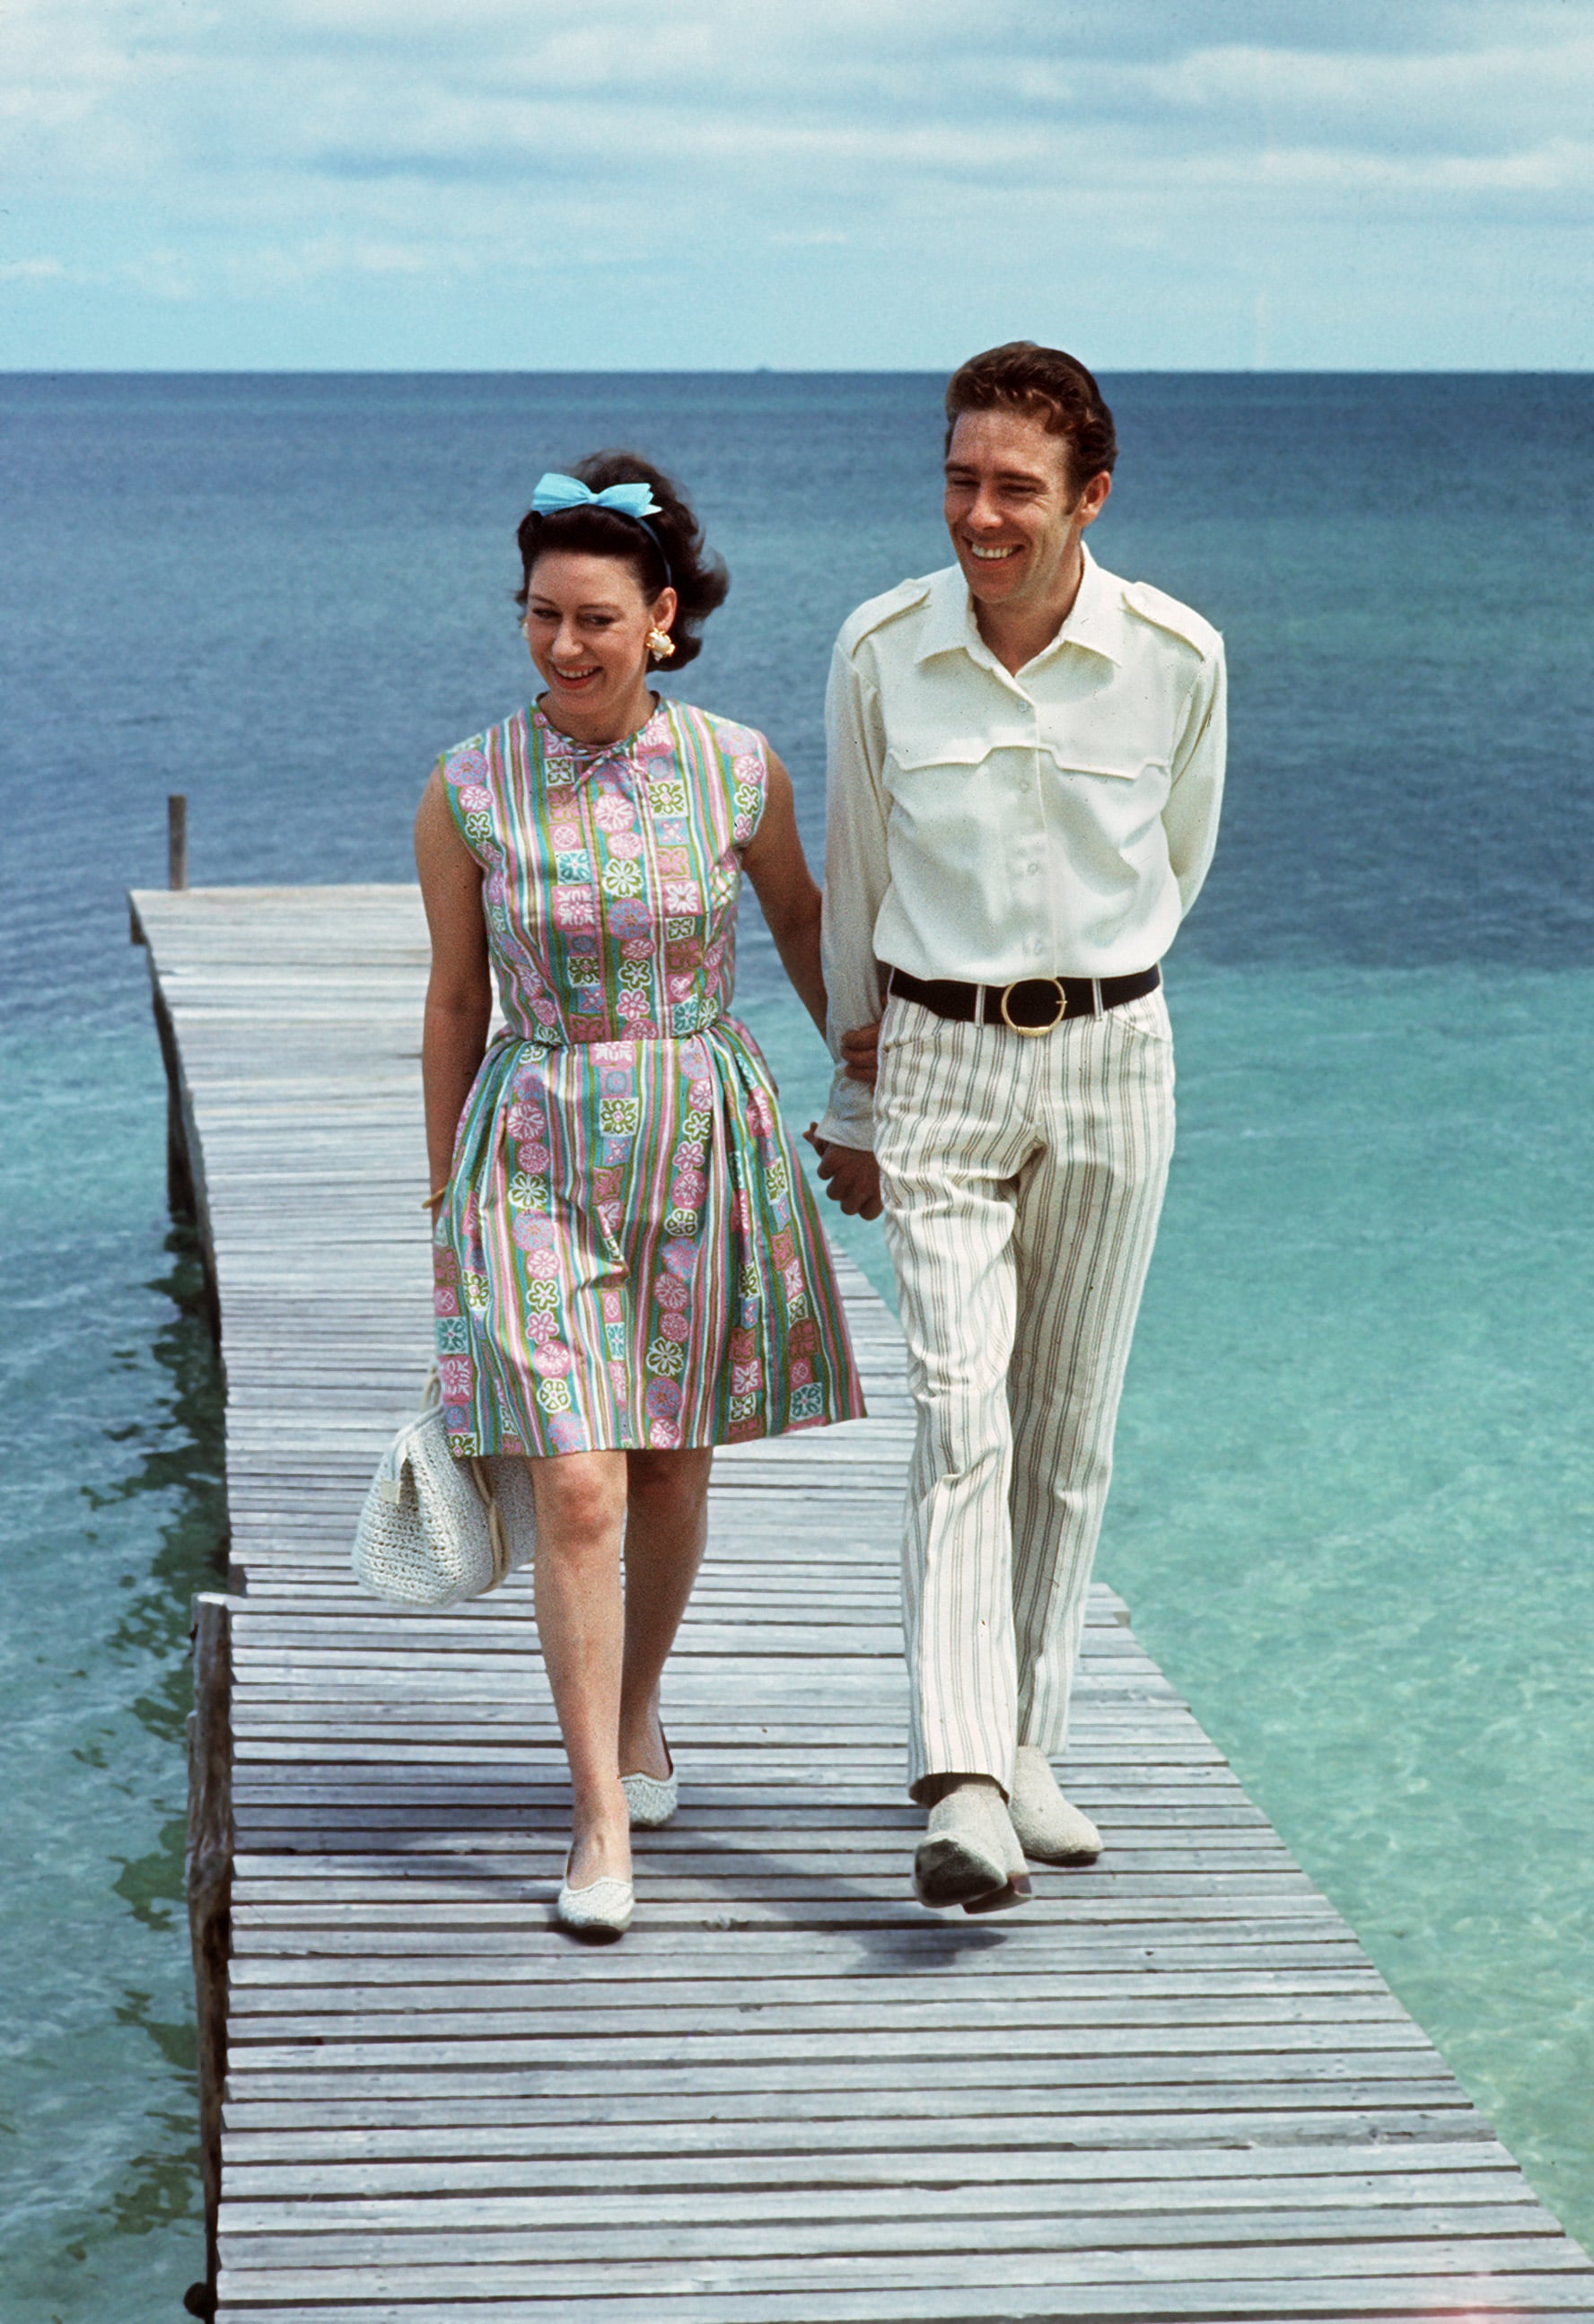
(176, 840)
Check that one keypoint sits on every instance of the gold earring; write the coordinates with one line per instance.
(660, 643)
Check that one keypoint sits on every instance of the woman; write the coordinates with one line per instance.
(630, 1268)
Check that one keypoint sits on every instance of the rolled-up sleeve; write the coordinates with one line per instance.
(1189, 819)
(855, 881)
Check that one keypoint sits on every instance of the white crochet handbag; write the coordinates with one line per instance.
(435, 1530)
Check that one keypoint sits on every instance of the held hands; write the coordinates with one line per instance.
(851, 1175)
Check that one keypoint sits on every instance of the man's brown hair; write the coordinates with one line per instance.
(1047, 385)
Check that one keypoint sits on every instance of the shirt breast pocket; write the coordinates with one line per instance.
(931, 754)
(1112, 775)
(1116, 737)
(944, 796)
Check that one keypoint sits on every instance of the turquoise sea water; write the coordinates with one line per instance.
(1353, 1513)
(1356, 1516)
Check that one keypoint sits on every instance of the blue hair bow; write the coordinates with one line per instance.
(556, 492)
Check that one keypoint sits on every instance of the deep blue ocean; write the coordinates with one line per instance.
(1353, 1513)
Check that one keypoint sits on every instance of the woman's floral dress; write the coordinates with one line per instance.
(629, 1255)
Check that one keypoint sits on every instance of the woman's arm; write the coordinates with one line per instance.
(786, 891)
(460, 992)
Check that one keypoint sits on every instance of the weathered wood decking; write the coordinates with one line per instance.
(1172, 2087)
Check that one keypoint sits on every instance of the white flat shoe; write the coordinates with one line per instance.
(651, 1799)
(1050, 1828)
(651, 1802)
(601, 1909)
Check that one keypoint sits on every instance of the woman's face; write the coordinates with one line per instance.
(586, 622)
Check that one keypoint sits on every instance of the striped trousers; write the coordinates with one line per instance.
(1023, 1180)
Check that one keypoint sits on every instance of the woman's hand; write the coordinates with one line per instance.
(460, 991)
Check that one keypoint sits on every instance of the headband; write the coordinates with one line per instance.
(555, 492)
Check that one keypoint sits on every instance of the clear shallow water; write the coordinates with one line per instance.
(111, 1516)
(1352, 1513)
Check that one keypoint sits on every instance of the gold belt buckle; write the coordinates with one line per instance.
(1034, 1032)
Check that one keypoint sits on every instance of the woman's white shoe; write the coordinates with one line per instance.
(651, 1801)
(601, 1909)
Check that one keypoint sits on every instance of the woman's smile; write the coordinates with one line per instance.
(587, 623)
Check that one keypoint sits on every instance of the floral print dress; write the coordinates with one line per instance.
(629, 1255)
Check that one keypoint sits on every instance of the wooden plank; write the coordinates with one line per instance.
(764, 2186)
(414, 2237)
(1402, 2299)
(1174, 2087)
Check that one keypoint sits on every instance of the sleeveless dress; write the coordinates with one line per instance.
(629, 1255)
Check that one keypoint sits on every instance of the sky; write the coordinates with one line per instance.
(827, 184)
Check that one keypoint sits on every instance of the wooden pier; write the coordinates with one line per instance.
(1172, 2087)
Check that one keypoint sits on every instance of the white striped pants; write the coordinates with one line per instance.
(1023, 1180)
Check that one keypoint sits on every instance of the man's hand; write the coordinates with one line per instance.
(851, 1175)
(858, 1053)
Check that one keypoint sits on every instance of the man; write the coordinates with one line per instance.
(1025, 766)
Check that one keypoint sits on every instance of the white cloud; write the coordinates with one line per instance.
(1485, 99)
(163, 274)
(275, 267)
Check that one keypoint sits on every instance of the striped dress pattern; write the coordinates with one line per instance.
(629, 1256)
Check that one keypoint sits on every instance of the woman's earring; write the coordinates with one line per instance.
(660, 643)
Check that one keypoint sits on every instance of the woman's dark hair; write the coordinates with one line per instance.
(1046, 385)
(668, 553)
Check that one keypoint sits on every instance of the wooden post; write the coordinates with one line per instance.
(181, 1195)
(176, 839)
(211, 1887)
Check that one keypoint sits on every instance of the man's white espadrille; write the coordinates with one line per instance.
(969, 1854)
(1050, 1828)
(601, 1909)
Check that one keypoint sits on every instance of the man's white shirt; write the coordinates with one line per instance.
(987, 826)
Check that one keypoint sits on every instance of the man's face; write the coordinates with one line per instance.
(1012, 510)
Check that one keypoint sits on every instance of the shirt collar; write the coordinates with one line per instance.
(1095, 619)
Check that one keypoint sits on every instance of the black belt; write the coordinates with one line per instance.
(1032, 1004)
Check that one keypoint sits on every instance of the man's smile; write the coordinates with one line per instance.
(991, 555)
